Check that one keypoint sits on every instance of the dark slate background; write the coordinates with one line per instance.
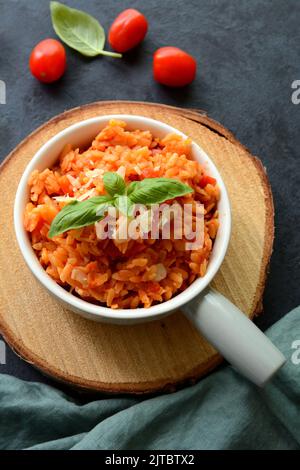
(248, 57)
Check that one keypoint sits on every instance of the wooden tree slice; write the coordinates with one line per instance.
(149, 357)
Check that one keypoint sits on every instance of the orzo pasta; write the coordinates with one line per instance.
(134, 273)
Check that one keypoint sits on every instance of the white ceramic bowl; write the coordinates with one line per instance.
(220, 314)
(80, 134)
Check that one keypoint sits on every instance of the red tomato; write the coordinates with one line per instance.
(173, 67)
(128, 30)
(48, 60)
(207, 180)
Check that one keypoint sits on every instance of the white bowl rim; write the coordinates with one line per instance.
(98, 311)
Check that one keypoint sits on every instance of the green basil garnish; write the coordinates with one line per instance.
(79, 30)
(113, 183)
(78, 214)
(131, 187)
(157, 190)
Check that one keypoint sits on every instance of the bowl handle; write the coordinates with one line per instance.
(235, 336)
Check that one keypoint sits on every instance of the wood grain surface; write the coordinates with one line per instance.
(152, 357)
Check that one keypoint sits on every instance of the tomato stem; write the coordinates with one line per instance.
(111, 54)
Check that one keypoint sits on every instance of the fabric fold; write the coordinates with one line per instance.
(222, 411)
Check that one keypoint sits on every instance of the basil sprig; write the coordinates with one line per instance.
(79, 30)
(78, 214)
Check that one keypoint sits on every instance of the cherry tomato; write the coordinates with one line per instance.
(128, 30)
(173, 67)
(48, 60)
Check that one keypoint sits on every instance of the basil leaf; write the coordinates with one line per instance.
(79, 214)
(131, 187)
(113, 183)
(79, 30)
(157, 190)
(124, 204)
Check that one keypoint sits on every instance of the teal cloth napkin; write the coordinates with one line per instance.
(223, 411)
